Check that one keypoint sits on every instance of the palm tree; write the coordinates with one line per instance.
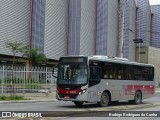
(35, 58)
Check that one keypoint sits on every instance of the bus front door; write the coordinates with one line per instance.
(93, 90)
(95, 78)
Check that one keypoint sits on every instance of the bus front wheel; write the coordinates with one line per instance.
(104, 101)
(78, 103)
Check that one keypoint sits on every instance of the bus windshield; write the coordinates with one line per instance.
(72, 74)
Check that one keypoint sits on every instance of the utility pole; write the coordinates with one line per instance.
(122, 32)
(139, 41)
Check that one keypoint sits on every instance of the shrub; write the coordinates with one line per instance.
(13, 98)
(3, 97)
(33, 86)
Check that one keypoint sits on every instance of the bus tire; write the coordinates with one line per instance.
(77, 103)
(138, 98)
(104, 101)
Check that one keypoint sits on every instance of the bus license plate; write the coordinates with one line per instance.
(66, 97)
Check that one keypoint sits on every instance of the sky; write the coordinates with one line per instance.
(154, 2)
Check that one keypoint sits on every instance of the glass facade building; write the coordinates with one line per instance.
(79, 27)
(15, 17)
(38, 24)
(155, 41)
(128, 46)
(107, 27)
(74, 27)
(143, 22)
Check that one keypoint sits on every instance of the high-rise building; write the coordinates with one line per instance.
(155, 41)
(15, 17)
(38, 24)
(82, 27)
(56, 28)
(107, 27)
(143, 22)
(78, 27)
(129, 22)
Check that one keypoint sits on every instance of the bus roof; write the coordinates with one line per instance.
(117, 60)
(103, 58)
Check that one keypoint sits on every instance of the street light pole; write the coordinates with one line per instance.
(122, 32)
(139, 53)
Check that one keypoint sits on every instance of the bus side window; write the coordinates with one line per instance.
(95, 73)
(147, 73)
(138, 75)
(110, 74)
(119, 74)
(105, 74)
(108, 71)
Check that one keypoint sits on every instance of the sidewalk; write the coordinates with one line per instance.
(42, 97)
(157, 89)
(35, 97)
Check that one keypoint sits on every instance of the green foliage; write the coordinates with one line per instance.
(33, 56)
(21, 81)
(14, 80)
(37, 58)
(33, 86)
(16, 47)
(3, 97)
(12, 98)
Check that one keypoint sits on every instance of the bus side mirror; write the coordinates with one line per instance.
(54, 71)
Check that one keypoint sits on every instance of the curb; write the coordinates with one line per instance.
(94, 111)
(28, 101)
(157, 91)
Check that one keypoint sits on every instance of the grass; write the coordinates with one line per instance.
(7, 98)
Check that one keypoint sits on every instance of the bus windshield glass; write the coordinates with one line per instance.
(72, 74)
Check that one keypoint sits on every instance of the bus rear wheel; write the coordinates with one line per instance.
(77, 103)
(137, 98)
(104, 101)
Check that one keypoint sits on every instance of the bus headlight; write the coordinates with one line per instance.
(82, 91)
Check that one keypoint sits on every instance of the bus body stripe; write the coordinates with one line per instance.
(146, 89)
(63, 91)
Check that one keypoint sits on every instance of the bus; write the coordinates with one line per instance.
(100, 79)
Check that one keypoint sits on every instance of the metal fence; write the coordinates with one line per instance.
(20, 80)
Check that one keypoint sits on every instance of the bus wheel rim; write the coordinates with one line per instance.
(138, 97)
(104, 99)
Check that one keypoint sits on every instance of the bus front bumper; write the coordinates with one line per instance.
(82, 97)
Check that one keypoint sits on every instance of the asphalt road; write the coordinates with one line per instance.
(59, 108)
(102, 115)
(62, 106)
(67, 106)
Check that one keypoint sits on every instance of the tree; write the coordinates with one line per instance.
(35, 58)
(15, 47)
